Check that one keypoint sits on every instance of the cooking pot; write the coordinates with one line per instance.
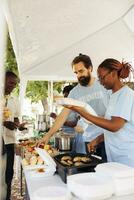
(64, 141)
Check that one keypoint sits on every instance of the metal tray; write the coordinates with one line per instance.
(64, 171)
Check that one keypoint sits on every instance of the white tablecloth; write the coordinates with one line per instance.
(34, 183)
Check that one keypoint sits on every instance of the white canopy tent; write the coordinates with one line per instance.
(47, 35)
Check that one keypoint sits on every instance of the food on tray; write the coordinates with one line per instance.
(40, 161)
(76, 161)
(25, 162)
(30, 155)
(47, 147)
(70, 162)
(33, 160)
(85, 159)
(52, 151)
(40, 170)
(78, 164)
(65, 162)
(66, 158)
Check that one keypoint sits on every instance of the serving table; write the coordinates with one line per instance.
(33, 184)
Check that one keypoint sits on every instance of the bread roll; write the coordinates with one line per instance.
(66, 158)
(40, 161)
(33, 160)
(77, 159)
(25, 162)
(85, 159)
(65, 162)
(78, 164)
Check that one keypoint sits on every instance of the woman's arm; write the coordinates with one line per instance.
(114, 124)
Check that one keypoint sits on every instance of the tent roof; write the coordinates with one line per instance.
(47, 34)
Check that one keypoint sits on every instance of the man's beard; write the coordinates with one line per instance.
(84, 81)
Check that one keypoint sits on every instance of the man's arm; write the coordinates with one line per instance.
(60, 120)
(67, 122)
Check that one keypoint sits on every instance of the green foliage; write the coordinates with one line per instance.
(58, 86)
(36, 90)
(10, 62)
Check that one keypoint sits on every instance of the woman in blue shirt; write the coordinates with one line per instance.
(118, 123)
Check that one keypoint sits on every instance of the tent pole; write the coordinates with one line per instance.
(3, 41)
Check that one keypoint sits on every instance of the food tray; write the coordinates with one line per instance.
(64, 171)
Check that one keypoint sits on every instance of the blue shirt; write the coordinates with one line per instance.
(120, 144)
(73, 118)
(97, 97)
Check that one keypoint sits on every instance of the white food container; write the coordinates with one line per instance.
(90, 186)
(49, 167)
(52, 193)
(121, 175)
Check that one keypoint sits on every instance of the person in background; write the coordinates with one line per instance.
(88, 90)
(118, 123)
(10, 124)
(71, 122)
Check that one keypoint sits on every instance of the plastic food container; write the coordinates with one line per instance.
(52, 193)
(121, 175)
(49, 167)
(90, 186)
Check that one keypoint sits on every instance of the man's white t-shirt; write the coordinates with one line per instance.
(13, 105)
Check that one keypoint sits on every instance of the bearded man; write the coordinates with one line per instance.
(87, 90)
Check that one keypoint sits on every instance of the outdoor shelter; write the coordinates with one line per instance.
(46, 35)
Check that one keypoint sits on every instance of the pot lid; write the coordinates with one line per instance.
(65, 135)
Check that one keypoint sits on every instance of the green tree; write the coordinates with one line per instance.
(36, 90)
(10, 62)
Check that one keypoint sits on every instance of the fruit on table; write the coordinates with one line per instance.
(39, 161)
(25, 162)
(6, 113)
(30, 149)
(33, 160)
(47, 147)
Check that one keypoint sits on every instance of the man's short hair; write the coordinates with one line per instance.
(83, 58)
(11, 74)
(68, 88)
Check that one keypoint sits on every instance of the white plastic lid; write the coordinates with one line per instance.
(46, 157)
(90, 186)
(70, 101)
(115, 170)
(51, 193)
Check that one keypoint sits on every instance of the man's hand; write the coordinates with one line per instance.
(92, 146)
(22, 127)
(10, 125)
(44, 140)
